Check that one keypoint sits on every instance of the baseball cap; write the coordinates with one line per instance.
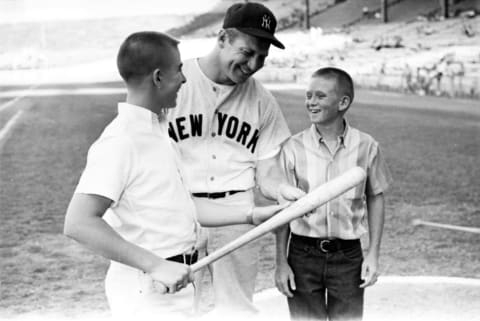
(254, 19)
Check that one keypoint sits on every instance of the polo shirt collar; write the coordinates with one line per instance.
(142, 118)
(343, 138)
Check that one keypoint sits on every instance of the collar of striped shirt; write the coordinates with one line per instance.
(341, 138)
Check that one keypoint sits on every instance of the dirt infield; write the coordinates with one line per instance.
(392, 298)
(402, 298)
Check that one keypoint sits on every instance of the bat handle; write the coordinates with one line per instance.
(200, 264)
(148, 284)
(160, 287)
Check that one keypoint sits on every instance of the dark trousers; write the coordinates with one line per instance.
(327, 284)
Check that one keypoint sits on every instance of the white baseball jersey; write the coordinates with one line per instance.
(222, 131)
(135, 164)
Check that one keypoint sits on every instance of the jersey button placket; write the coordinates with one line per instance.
(212, 147)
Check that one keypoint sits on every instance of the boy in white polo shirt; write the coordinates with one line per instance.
(133, 171)
(323, 274)
(142, 186)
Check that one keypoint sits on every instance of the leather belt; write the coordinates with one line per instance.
(187, 259)
(326, 245)
(216, 194)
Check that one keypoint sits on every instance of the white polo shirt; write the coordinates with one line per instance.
(135, 164)
(222, 131)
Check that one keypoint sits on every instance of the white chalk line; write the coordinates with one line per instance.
(9, 125)
(11, 102)
(64, 92)
(17, 97)
(12, 121)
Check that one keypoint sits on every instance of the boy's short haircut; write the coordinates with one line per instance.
(143, 52)
(343, 79)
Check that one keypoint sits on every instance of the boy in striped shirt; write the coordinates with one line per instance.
(325, 273)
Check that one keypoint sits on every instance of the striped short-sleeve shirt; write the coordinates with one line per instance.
(308, 163)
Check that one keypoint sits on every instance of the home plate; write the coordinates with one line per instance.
(400, 298)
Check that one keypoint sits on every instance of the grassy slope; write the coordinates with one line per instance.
(432, 155)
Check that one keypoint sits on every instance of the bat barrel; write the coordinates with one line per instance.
(307, 203)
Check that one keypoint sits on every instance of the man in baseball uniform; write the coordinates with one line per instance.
(229, 129)
(133, 171)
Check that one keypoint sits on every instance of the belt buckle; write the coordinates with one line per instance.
(322, 244)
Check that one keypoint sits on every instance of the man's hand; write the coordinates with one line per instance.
(262, 213)
(172, 275)
(369, 270)
(284, 279)
(288, 193)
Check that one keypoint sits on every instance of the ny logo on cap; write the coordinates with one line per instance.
(266, 22)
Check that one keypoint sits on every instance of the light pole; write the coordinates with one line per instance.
(444, 4)
(307, 14)
(384, 6)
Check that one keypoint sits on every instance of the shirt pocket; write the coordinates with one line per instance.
(354, 206)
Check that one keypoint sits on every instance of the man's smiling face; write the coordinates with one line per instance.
(242, 57)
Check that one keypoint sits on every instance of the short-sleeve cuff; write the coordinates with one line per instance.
(270, 154)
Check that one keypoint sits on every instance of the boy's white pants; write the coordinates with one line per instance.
(131, 295)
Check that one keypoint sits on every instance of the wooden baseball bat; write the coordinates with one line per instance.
(418, 222)
(307, 203)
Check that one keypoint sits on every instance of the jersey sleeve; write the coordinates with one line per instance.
(287, 162)
(378, 174)
(274, 129)
(109, 166)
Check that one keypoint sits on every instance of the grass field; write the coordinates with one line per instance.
(433, 156)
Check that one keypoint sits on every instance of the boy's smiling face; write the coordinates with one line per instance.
(323, 101)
